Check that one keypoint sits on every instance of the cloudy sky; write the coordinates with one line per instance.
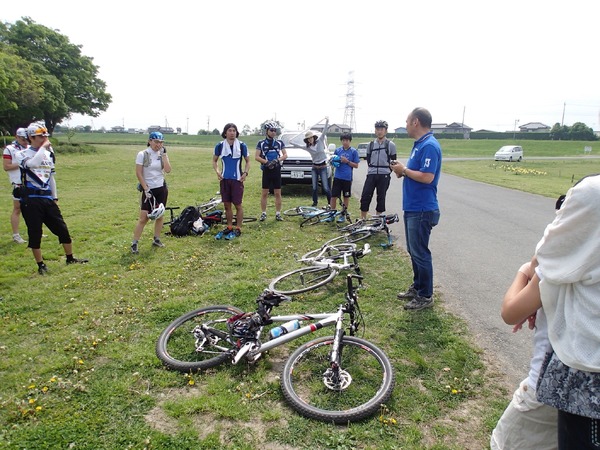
(202, 64)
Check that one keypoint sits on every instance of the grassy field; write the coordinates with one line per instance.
(77, 346)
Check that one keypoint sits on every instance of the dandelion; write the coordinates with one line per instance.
(80, 361)
(45, 389)
(53, 380)
(191, 382)
(454, 391)
(31, 386)
(38, 408)
(31, 401)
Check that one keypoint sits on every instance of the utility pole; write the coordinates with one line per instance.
(208, 124)
(562, 122)
(515, 128)
(187, 125)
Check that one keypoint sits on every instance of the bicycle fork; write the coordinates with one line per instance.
(335, 378)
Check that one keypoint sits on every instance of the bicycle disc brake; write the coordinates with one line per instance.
(336, 379)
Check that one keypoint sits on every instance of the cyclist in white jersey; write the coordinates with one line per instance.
(11, 166)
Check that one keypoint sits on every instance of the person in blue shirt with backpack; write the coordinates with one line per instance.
(270, 153)
(348, 159)
(421, 174)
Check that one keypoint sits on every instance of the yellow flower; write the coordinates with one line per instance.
(454, 391)
(53, 380)
(38, 408)
(191, 382)
(45, 389)
(31, 386)
(80, 361)
(31, 401)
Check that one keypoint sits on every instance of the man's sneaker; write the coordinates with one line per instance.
(157, 243)
(263, 217)
(408, 295)
(328, 219)
(18, 239)
(43, 269)
(341, 219)
(418, 303)
(233, 234)
(278, 217)
(314, 205)
(221, 234)
(77, 261)
(134, 249)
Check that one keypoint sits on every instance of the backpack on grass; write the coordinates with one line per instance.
(183, 224)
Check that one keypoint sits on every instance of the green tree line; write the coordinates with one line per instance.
(45, 77)
(577, 132)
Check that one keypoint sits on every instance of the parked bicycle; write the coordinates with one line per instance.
(365, 228)
(209, 214)
(304, 211)
(340, 378)
(324, 265)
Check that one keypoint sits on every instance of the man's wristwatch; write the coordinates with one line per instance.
(404, 171)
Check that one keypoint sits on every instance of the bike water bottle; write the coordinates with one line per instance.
(284, 328)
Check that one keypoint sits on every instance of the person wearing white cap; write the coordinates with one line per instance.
(11, 166)
(39, 198)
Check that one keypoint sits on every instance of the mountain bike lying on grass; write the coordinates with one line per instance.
(324, 265)
(339, 378)
(365, 228)
(328, 215)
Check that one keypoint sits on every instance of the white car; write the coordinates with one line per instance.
(509, 153)
(362, 149)
(297, 168)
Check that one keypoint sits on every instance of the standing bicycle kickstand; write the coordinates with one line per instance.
(340, 378)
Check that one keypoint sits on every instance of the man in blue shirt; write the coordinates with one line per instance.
(342, 181)
(231, 177)
(419, 201)
(270, 153)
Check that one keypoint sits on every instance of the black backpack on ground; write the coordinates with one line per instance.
(183, 224)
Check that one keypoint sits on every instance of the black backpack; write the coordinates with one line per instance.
(183, 224)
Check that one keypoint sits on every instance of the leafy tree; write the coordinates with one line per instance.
(581, 132)
(69, 79)
(20, 90)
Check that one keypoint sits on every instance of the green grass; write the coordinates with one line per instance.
(77, 346)
(78, 364)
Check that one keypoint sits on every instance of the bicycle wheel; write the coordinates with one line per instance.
(331, 251)
(302, 280)
(355, 236)
(299, 211)
(180, 346)
(318, 218)
(364, 381)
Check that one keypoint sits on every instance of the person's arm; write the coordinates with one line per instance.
(52, 183)
(139, 173)
(324, 133)
(7, 163)
(258, 157)
(246, 169)
(165, 159)
(36, 160)
(216, 167)
(522, 299)
(283, 155)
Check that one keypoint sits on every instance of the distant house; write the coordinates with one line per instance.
(453, 128)
(400, 130)
(534, 127)
(333, 128)
(163, 130)
(117, 129)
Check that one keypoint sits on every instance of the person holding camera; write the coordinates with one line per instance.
(39, 196)
(150, 166)
(270, 153)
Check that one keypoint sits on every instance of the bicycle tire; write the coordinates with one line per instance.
(299, 211)
(355, 236)
(302, 280)
(331, 251)
(318, 218)
(366, 369)
(176, 346)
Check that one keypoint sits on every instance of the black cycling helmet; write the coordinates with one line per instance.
(381, 124)
(345, 136)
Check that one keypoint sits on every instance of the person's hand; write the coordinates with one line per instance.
(531, 324)
(527, 270)
(148, 194)
(272, 164)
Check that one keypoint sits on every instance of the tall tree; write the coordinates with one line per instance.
(70, 80)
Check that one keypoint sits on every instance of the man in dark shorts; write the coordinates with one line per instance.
(231, 177)
(270, 153)
(346, 160)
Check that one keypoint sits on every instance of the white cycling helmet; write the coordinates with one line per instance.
(157, 212)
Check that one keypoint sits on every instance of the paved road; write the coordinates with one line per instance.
(484, 235)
